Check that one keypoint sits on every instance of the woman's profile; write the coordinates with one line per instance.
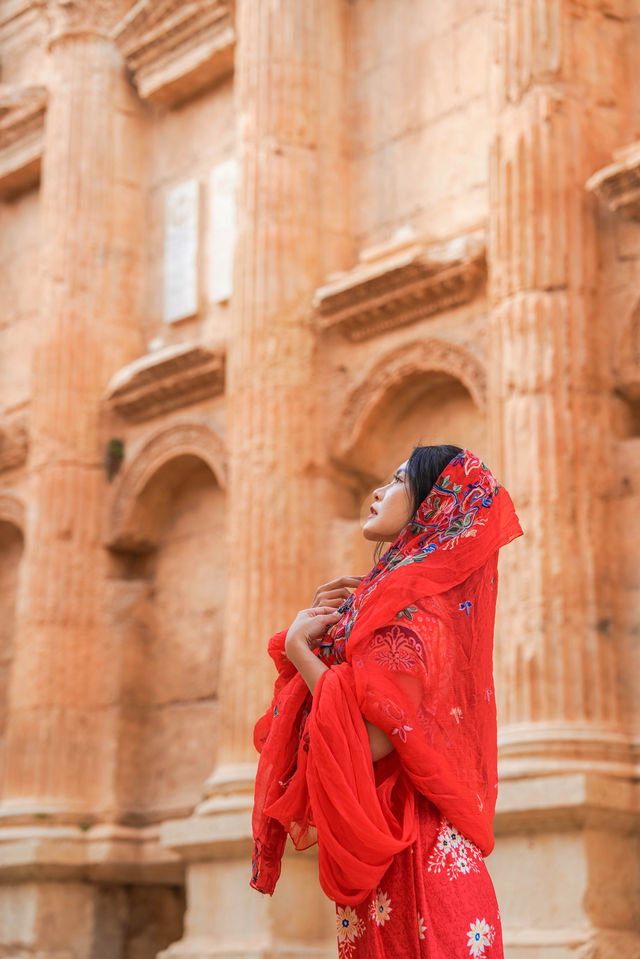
(380, 744)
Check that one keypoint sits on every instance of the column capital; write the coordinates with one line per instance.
(84, 18)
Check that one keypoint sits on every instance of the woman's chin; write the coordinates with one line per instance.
(372, 534)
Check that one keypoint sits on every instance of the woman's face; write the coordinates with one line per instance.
(391, 508)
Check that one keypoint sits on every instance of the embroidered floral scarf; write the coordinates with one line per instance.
(413, 655)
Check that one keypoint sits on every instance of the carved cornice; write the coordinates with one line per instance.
(167, 380)
(14, 441)
(619, 183)
(22, 112)
(401, 286)
(175, 49)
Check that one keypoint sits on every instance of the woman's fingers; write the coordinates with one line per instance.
(330, 602)
(323, 598)
(336, 588)
(351, 581)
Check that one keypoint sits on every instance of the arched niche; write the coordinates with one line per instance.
(395, 374)
(131, 519)
(626, 399)
(167, 604)
(11, 550)
(410, 399)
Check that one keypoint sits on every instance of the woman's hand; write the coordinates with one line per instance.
(334, 593)
(309, 627)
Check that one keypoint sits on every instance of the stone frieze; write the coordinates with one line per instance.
(618, 184)
(168, 379)
(14, 441)
(174, 50)
(401, 286)
(22, 113)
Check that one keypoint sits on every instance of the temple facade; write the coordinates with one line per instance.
(251, 253)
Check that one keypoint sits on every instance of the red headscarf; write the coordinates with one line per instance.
(413, 655)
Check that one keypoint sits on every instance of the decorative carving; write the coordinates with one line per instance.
(420, 356)
(402, 287)
(22, 111)
(175, 49)
(619, 183)
(180, 439)
(14, 441)
(171, 378)
(12, 510)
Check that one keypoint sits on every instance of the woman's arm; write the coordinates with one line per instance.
(379, 742)
(298, 647)
(308, 665)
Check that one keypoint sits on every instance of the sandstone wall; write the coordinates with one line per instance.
(250, 254)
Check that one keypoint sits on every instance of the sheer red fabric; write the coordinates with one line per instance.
(413, 655)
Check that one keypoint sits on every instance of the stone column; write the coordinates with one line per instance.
(559, 101)
(551, 380)
(292, 231)
(60, 737)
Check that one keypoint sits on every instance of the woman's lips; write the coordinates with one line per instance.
(372, 511)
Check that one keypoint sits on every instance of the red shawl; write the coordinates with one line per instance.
(413, 655)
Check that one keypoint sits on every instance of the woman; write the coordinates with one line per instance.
(381, 740)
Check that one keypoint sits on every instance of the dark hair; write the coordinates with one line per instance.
(424, 467)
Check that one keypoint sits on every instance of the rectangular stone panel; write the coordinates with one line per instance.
(222, 230)
(182, 208)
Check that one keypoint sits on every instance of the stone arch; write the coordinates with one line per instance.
(626, 364)
(169, 443)
(12, 510)
(12, 522)
(628, 352)
(411, 359)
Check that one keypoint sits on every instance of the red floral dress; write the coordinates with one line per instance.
(436, 900)
(400, 841)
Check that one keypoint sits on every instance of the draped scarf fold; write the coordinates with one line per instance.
(413, 655)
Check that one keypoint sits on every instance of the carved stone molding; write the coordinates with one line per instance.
(12, 509)
(166, 380)
(421, 356)
(14, 441)
(22, 112)
(176, 49)
(180, 439)
(402, 286)
(526, 749)
(619, 183)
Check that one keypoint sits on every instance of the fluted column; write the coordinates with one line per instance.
(292, 232)
(60, 736)
(556, 656)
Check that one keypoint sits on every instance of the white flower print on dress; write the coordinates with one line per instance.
(421, 927)
(380, 909)
(480, 935)
(453, 852)
(402, 731)
(349, 927)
